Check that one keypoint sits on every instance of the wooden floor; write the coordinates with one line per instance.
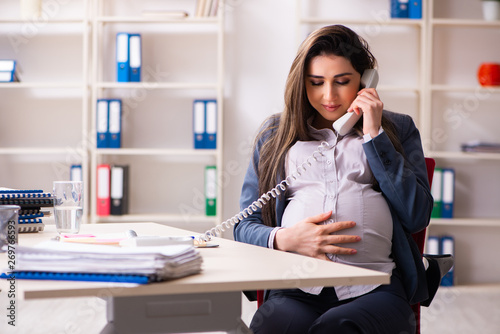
(454, 310)
(69, 316)
(65, 315)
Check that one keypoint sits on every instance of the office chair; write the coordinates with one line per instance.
(419, 238)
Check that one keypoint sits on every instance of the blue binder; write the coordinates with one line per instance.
(199, 123)
(415, 9)
(21, 192)
(102, 120)
(448, 247)
(8, 70)
(75, 173)
(135, 57)
(210, 137)
(448, 194)
(122, 57)
(399, 9)
(117, 278)
(115, 123)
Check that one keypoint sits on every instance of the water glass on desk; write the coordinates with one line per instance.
(68, 206)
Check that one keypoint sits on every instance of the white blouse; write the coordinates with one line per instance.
(341, 181)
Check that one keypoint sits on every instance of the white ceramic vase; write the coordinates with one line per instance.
(31, 9)
(491, 10)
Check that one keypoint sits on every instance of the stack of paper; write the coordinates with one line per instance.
(156, 263)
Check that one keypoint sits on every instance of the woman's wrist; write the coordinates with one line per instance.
(272, 236)
(280, 239)
(372, 134)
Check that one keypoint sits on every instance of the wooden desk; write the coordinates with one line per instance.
(210, 301)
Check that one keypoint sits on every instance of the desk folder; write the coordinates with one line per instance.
(128, 57)
(109, 123)
(9, 71)
(205, 124)
(55, 260)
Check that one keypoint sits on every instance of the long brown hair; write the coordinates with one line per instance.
(283, 130)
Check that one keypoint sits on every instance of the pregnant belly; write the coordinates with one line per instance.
(361, 204)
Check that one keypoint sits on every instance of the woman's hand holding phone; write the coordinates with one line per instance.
(368, 102)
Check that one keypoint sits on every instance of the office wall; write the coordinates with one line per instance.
(261, 42)
(260, 46)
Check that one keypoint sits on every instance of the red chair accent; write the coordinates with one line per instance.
(419, 238)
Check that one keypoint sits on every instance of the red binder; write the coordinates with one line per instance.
(103, 187)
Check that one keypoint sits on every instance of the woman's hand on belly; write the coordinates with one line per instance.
(310, 237)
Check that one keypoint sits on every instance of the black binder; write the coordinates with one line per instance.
(119, 189)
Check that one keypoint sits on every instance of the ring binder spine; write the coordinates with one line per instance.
(30, 221)
(31, 227)
(27, 202)
(30, 202)
(24, 194)
(20, 191)
(264, 198)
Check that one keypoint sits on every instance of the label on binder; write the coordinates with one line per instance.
(7, 65)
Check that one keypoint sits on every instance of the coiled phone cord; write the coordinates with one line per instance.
(264, 198)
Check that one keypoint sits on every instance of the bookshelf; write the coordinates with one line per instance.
(44, 117)
(448, 105)
(182, 60)
(462, 111)
(74, 44)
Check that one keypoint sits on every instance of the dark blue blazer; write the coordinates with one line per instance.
(404, 183)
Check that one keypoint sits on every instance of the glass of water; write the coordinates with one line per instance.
(68, 206)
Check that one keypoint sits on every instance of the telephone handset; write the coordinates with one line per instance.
(369, 79)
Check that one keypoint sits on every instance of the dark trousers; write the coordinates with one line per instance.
(384, 310)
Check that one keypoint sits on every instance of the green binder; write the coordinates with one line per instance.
(210, 190)
(437, 193)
